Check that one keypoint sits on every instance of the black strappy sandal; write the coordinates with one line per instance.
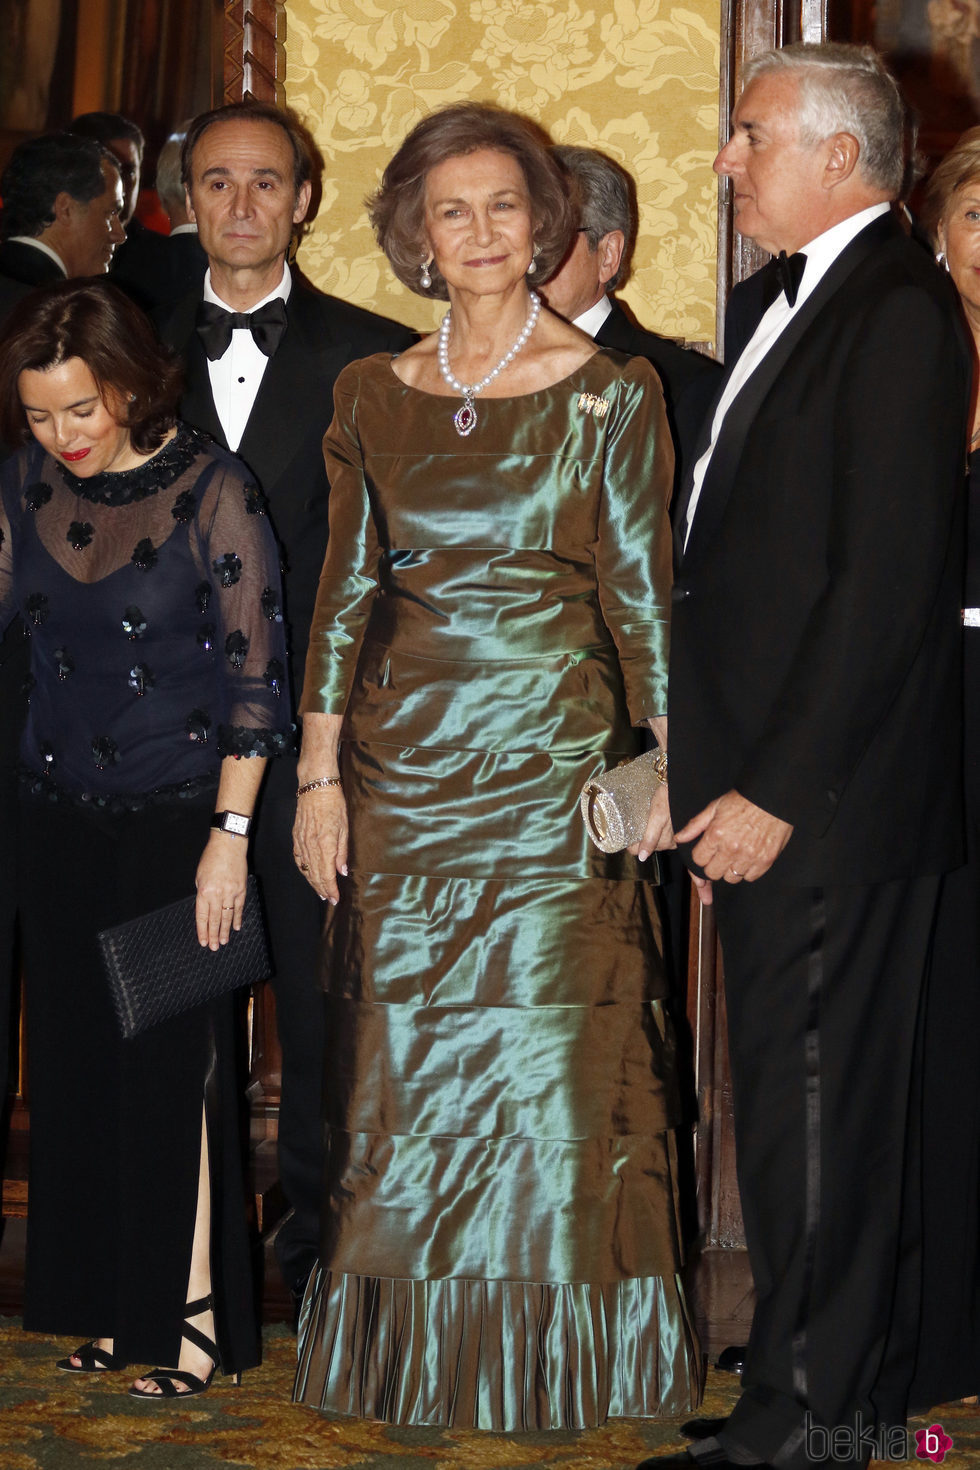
(166, 1379)
(92, 1359)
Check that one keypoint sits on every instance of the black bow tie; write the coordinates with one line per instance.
(215, 326)
(785, 274)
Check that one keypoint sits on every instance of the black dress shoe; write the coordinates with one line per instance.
(732, 1359)
(702, 1428)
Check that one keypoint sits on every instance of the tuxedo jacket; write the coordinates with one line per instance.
(816, 621)
(690, 380)
(27, 264)
(282, 443)
(157, 270)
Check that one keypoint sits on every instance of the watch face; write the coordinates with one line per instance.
(234, 822)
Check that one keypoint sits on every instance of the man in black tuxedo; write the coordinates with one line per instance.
(264, 388)
(598, 262)
(814, 737)
(62, 198)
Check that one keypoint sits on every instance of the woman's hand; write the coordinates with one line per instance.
(221, 877)
(659, 833)
(320, 840)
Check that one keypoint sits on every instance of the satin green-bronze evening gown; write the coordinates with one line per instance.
(500, 1241)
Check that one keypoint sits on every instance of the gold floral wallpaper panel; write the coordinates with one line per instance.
(636, 78)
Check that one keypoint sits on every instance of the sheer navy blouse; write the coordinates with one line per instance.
(153, 602)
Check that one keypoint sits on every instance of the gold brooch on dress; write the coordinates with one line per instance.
(589, 403)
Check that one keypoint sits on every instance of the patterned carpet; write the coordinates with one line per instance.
(52, 1421)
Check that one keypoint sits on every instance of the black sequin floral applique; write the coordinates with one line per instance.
(80, 534)
(236, 648)
(133, 622)
(123, 487)
(273, 675)
(271, 605)
(242, 740)
(202, 593)
(206, 636)
(36, 608)
(105, 751)
(228, 568)
(145, 555)
(255, 501)
(140, 679)
(64, 663)
(29, 684)
(198, 726)
(183, 507)
(37, 495)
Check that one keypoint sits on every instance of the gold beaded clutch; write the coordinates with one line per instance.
(616, 805)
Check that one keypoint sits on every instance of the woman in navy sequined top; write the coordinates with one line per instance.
(140, 560)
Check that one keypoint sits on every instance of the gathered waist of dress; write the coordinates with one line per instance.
(489, 629)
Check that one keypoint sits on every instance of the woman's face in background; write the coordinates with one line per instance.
(959, 238)
(67, 415)
(478, 222)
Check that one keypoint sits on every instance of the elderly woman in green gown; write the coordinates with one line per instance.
(500, 1246)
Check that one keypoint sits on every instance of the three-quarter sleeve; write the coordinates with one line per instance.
(633, 540)
(349, 580)
(239, 560)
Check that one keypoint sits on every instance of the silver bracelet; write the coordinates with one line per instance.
(316, 785)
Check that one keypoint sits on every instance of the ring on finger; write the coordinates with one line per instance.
(736, 872)
(304, 867)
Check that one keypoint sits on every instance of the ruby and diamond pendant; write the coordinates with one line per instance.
(465, 418)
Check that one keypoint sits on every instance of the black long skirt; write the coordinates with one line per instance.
(115, 1124)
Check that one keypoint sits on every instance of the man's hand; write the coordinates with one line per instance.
(738, 839)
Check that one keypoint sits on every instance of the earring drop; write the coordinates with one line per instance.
(942, 261)
(425, 280)
(532, 267)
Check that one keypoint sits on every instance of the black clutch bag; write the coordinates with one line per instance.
(157, 968)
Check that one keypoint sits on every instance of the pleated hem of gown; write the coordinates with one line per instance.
(497, 1355)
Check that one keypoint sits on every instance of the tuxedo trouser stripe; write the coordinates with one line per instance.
(815, 975)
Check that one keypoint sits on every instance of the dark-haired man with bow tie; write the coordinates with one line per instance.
(262, 351)
(815, 727)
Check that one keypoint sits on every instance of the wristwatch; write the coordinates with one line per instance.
(232, 822)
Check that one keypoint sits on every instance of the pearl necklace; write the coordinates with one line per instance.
(465, 417)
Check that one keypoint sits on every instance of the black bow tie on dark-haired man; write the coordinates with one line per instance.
(268, 395)
(814, 710)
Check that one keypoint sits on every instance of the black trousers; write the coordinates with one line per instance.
(948, 1364)
(823, 988)
(295, 921)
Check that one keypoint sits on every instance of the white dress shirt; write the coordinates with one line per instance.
(236, 377)
(590, 321)
(820, 256)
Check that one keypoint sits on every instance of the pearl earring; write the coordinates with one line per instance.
(534, 261)
(425, 280)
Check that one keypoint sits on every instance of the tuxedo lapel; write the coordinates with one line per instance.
(197, 401)
(722, 471)
(198, 397)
